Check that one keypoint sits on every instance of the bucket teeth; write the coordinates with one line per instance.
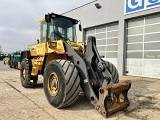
(113, 98)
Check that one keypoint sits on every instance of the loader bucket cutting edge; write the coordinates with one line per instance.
(113, 98)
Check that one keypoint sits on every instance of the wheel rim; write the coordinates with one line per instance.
(53, 84)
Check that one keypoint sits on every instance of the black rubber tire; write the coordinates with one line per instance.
(69, 83)
(10, 63)
(14, 64)
(25, 81)
(113, 71)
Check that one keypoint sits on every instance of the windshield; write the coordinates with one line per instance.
(58, 29)
(61, 28)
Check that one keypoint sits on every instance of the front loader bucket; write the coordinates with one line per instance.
(112, 98)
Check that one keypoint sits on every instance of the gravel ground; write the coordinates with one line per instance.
(18, 103)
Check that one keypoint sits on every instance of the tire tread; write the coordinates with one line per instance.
(72, 82)
(113, 71)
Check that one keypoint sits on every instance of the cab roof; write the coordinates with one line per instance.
(61, 16)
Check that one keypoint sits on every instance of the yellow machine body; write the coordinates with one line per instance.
(54, 50)
(69, 67)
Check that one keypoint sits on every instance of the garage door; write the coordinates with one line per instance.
(143, 47)
(107, 40)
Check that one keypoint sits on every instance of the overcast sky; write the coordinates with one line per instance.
(19, 20)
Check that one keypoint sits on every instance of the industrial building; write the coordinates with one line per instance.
(127, 33)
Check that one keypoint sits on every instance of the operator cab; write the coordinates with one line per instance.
(57, 27)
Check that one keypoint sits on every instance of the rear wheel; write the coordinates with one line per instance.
(113, 71)
(27, 80)
(14, 64)
(61, 83)
(10, 63)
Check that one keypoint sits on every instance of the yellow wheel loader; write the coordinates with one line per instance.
(69, 67)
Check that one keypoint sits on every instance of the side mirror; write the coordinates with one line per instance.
(37, 41)
(47, 18)
(80, 27)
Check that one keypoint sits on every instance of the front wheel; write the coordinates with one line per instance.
(27, 80)
(113, 71)
(61, 83)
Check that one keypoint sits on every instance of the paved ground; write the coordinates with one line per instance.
(18, 103)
